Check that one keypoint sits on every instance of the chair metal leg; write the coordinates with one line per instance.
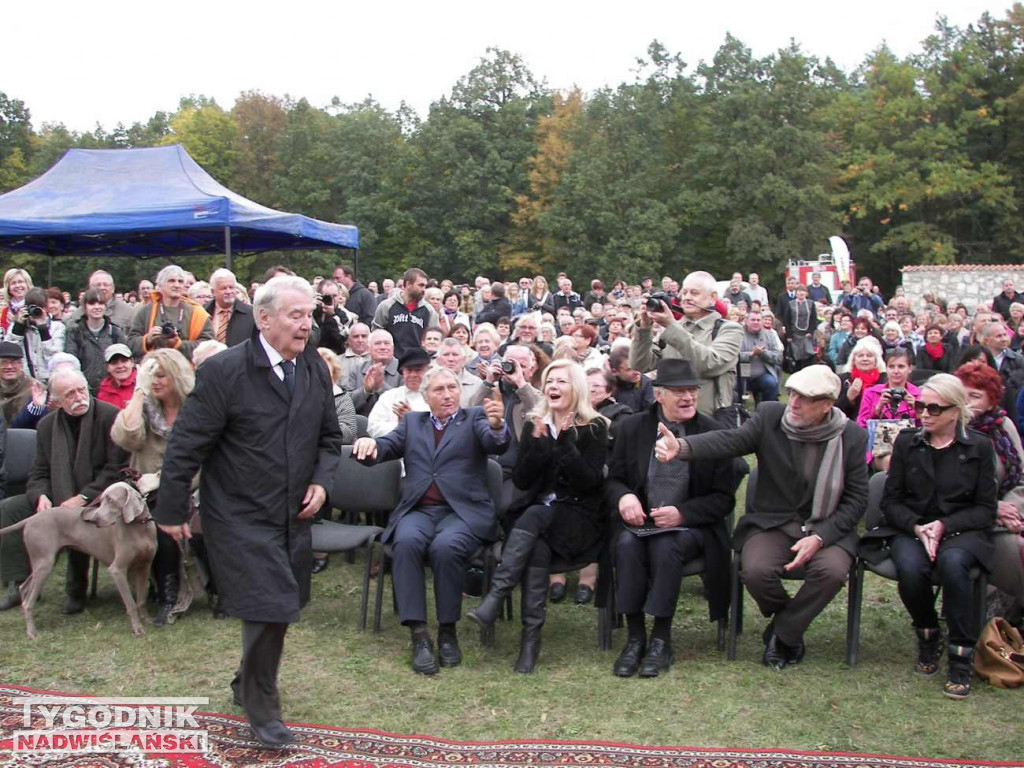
(487, 633)
(364, 600)
(723, 633)
(853, 608)
(735, 606)
(377, 606)
(95, 576)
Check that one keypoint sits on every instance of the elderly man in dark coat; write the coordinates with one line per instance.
(671, 513)
(262, 426)
(812, 490)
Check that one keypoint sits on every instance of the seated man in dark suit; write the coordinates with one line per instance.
(687, 502)
(232, 319)
(75, 462)
(445, 512)
(812, 490)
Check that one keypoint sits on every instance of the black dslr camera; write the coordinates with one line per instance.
(653, 303)
(896, 396)
(168, 330)
(34, 311)
(508, 366)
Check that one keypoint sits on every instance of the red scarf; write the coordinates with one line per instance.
(935, 351)
(870, 378)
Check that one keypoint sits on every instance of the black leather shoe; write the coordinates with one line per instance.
(774, 653)
(795, 653)
(584, 595)
(273, 735)
(658, 658)
(629, 660)
(448, 651)
(423, 661)
(73, 605)
(556, 593)
(319, 564)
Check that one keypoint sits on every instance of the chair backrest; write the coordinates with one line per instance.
(494, 486)
(362, 426)
(876, 486)
(359, 488)
(19, 458)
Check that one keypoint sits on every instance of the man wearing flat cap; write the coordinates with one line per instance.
(671, 512)
(811, 491)
(394, 403)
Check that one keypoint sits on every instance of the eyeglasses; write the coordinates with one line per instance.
(934, 409)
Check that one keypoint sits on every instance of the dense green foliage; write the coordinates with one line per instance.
(738, 163)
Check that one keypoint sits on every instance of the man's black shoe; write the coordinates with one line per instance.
(774, 653)
(629, 660)
(73, 605)
(449, 652)
(658, 658)
(319, 564)
(273, 735)
(795, 653)
(556, 593)
(423, 661)
(584, 595)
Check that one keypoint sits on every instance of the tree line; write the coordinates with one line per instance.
(739, 163)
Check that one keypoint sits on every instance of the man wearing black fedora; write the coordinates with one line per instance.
(811, 491)
(671, 513)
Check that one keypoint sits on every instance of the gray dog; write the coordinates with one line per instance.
(119, 532)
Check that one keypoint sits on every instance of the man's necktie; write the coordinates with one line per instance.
(289, 375)
(223, 318)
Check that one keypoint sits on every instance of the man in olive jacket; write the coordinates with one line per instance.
(811, 491)
(262, 426)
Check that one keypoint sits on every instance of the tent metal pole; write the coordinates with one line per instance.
(227, 246)
(355, 264)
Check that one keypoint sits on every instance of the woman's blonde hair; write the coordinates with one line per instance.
(564, 348)
(585, 413)
(175, 367)
(9, 275)
(333, 362)
(951, 389)
(540, 286)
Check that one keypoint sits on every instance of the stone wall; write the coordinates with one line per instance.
(969, 283)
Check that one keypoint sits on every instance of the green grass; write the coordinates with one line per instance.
(333, 674)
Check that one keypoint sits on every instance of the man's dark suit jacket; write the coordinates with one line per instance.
(782, 494)
(458, 464)
(710, 498)
(240, 326)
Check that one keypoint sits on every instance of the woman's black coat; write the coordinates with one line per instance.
(572, 467)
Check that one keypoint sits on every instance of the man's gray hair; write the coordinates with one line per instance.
(64, 374)
(222, 274)
(450, 342)
(704, 279)
(378, 333)
(101, 272)
(989, 329)
(171, 270)
(434, 371)
(268, 295)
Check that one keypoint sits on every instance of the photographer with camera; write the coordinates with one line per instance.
(694, 331)
(170, 320)
(333, 319)
(39, 336)
(863, 298)
(896, 397)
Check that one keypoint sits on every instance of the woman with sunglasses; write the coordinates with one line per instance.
(940, 504)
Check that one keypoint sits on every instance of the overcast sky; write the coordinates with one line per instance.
(82, 63)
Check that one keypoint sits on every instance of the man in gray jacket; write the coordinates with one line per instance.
(702, 336)
(760, 360)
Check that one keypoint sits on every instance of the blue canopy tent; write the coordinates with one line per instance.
(149, 203)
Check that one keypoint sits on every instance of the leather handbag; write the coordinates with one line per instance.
(999, 657)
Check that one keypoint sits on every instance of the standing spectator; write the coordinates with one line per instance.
(89, 339)
(486, 342)
(55, 302)
(1016, 326)
(803, 318)
(839, 336)
(863, 298)
(330, 315)
(145, 291)
(764, 359)
(756, 291)
(817, 292)
(934, 355)
(566, 296)
(711, 344)
(517, 300)
(232, 319)
(1001, 303)
(405, 316)
(39, 336)
(16, 284)
(595, 295)
(539, 297)
(633, 389)
(496, 308)
(782, 302)
(118, 310)
(360, 300)
(169, 320)
(452, 314)
(736, 294)
(119, 385)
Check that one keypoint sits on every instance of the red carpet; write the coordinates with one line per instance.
(231, 745)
